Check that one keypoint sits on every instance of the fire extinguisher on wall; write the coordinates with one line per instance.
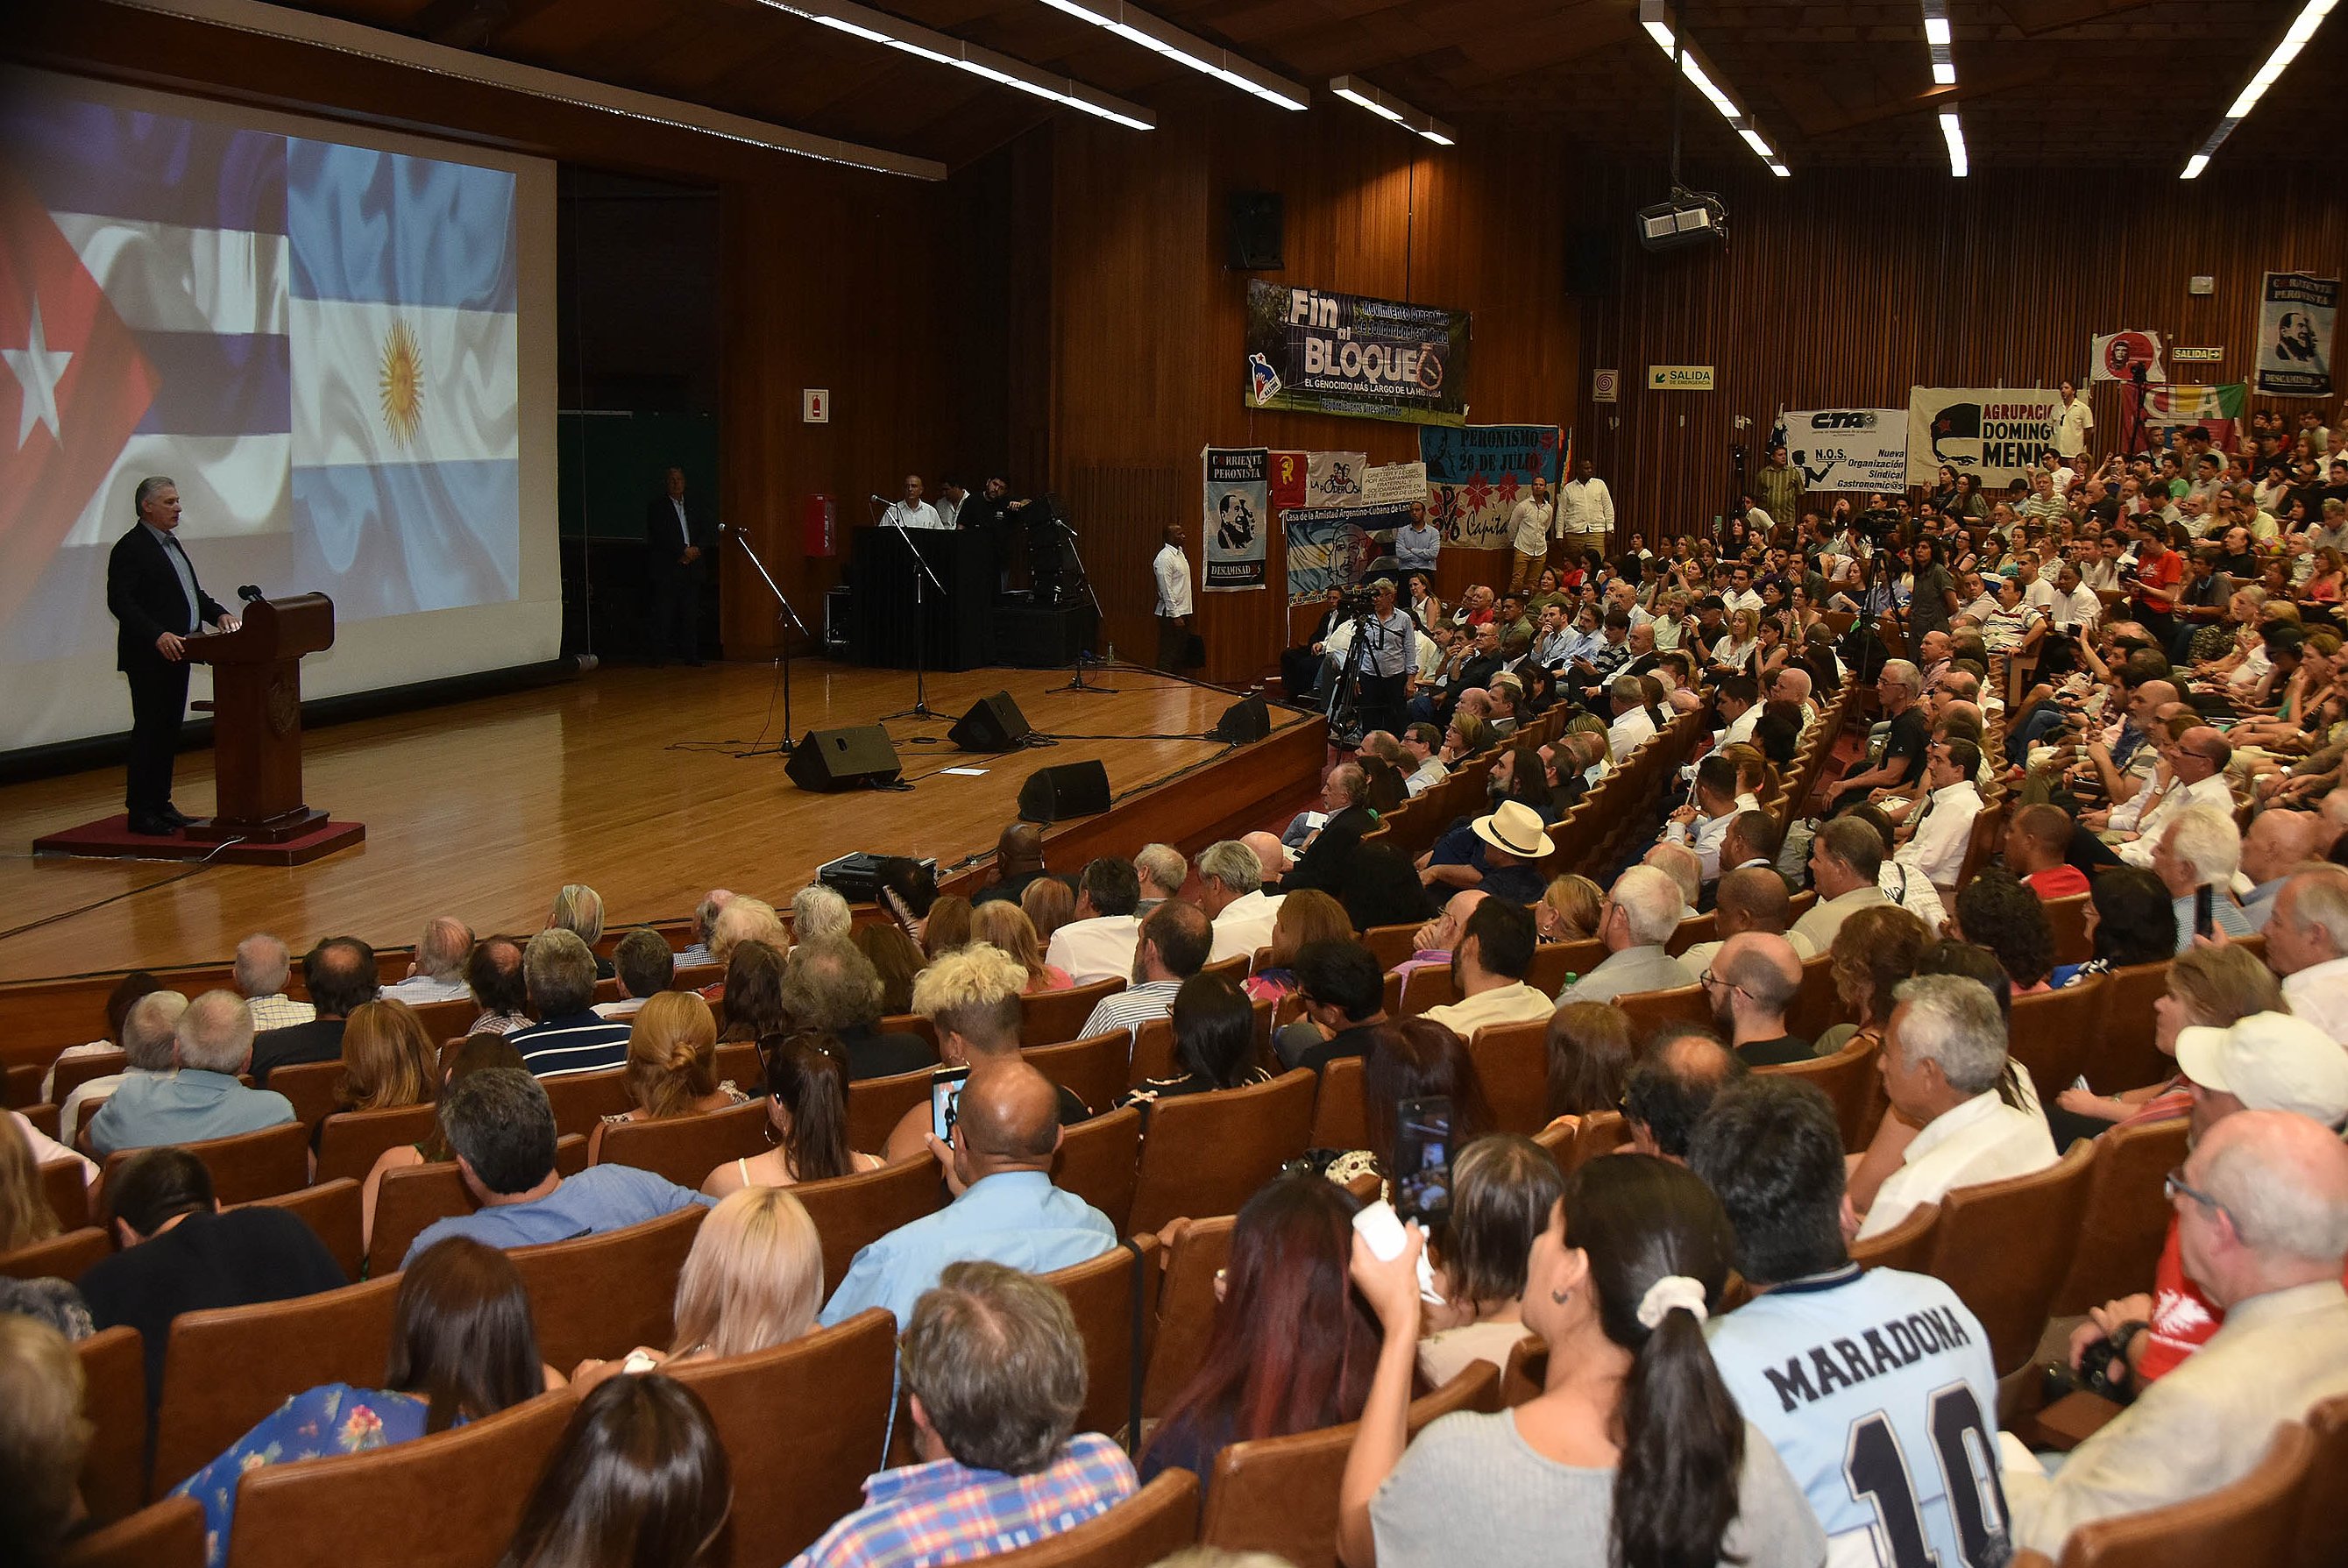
(819, 526)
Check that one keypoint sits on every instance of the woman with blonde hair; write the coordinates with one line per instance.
(671, 1066)
(754, 1280)
(579, 909)
(1733, 652)
(1000, 924)
(1755, 775)
(388, 1059)
(1306, 915)
(26, 1216)
(1568, 909)
(807, 1118)
(1048, 903)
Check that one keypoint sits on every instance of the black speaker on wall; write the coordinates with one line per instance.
(1071, 790)
(829, 760)
(1243, 722)
(1255, 225)
(993, 724)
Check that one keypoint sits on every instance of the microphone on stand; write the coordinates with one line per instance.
(250, 594)
(880, 499)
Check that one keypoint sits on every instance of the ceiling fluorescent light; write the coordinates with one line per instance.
(1944, 75)
(1936, 41)
(1953, 133)
(1385, 106)
(1936, 30)
(2302, 27)
(1655, 17)
(944, 49)
(1163, 37)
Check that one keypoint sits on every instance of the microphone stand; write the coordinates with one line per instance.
(782, 639)
(893, 519)
(1077, 681)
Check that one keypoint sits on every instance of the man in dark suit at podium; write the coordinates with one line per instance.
(677, 536)
(153, 594)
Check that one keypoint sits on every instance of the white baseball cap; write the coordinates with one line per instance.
(2270, 1061)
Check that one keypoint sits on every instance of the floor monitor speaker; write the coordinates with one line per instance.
(848, 758)
(1243, 722)
(1071, 790)
(993, 724)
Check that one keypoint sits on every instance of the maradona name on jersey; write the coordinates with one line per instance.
(1843, 1363)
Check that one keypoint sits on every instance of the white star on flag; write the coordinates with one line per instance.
(38, 370)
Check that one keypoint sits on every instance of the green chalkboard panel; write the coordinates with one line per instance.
(610, 463)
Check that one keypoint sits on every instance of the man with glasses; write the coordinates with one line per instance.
(1906, 734)
(2261, 1229)
(1750, 983)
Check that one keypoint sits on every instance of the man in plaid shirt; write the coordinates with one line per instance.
(995, 1371)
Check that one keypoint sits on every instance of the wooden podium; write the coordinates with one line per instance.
(257, 721)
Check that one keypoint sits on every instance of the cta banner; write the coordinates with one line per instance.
(1238, 514)
(1475, 475)
(2296, 313)
(1848, 448)
(1994, 433)
(2116, 355)
(1326, 353)
(1337, 546)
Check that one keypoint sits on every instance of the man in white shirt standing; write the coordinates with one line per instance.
(913, 512)
(1942, 825)
(1529, 528)
(1231, 890)
(1172, 571)
(2072, 421)
(1585, 508)
(1943, 1055)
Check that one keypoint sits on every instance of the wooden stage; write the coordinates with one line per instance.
(622, 780)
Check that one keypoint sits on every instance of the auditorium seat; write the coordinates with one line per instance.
(1527, 1371)
(1205, 1154)
(451, 1499)
(1098, 1162)
(446, 1020)
(2323, 1522)
(226, 1368)
(1049, 1017)
(1152, 1056)
(2067, 919)
(910, 1024)
(43, 1119)
(410, 1198)
(581, 1101)
(2053, 1032)
(68, 1255)
(1695, 928)
(736, 1062)
(1233, 969)
(351, 1141)
(804, 1424)
(852, 1211)
(1906, 1245)
(1340, 1111)
(114, 1400)
(1601, 1132)
(1279, 1495)
(1390, 944)
(309, 1087)
(2004, 1247)
(2252, 1523)
(1152, 1525)
(248, 1166)
(2126, 1217)
(1816, 1008)
(332, 1210)
(603, 1295)
(1649, 1011)
(1093, 1068)
(1553, 961)
(170, 1534)
(684, 1149)
(23, 1086)
(1851, 1079)
(1558, 1139)
(1430, 986)
(1512, 1061)
(72, 1072)
(1114, 1298)
(1195, 1250)
(66, 1185)
(2123, 1055)
(875, 1105)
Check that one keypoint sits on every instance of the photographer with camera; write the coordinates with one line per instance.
(1381, 662)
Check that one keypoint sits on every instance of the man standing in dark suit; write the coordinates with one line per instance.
(677, 535)
(152, 592)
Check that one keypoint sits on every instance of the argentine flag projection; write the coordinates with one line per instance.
(402, 278)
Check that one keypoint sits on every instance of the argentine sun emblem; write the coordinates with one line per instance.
(402, 383)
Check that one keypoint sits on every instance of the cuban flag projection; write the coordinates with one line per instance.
(317, 342)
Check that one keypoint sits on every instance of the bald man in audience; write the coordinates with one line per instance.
(1750, 983)
(1752, 899)
(2276, 844)
(438, 975)
(263, 967)
(1018, 860)
(1270, 854)
(2262, 1206)
(997, 1162)
(2037, 842)
(1672, 1084)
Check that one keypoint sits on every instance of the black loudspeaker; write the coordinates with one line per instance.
(1591, 258)
(1071, 790)
(1243, 722)
(1256, 223)
(993, 724)
(831, 759)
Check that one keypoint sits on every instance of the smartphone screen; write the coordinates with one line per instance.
(1422, 1168)
(2204, 907)
(945, 1100)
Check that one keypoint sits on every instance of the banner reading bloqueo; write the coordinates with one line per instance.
(1238, 514)
(1992, 433)
(1476, 475)
(1327, 353)
(1847, 449)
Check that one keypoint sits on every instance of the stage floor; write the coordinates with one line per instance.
(620, 780)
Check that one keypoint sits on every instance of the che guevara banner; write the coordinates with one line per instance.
(1238, 515)
(1322, 352)
(1337, 546)
(1994, 433)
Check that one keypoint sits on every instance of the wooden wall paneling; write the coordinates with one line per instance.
(1847, 288)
